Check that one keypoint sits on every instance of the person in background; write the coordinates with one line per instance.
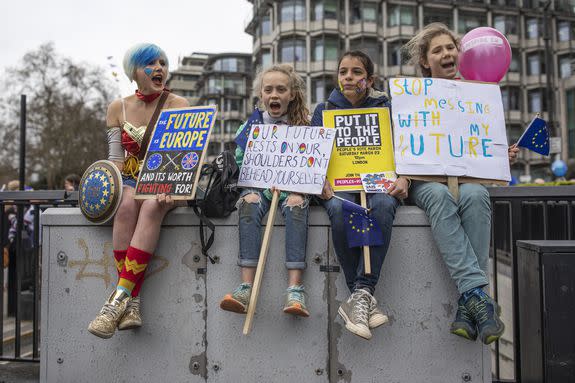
(71, 182)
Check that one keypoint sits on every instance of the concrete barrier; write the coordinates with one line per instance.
(187, 338)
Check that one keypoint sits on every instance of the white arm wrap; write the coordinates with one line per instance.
(115, 150)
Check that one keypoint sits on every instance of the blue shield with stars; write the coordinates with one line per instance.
(100, 191)
(361, 229)
(536, 137)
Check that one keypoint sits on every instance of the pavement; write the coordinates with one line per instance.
(19, 372)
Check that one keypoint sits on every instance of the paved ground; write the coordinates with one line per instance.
(19, 372)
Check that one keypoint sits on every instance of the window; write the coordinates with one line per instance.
(266, 25)
(234, 86)
(266, 59)
(505, 24)
(469, 21)
(320, 89)
(292, 10)
(432, 15)
(565, 66)
(565, 6)
(511, 97)
(325, 10)
(514, 132)
(537, 103)
(371, 46)
(400, 15)
(570, 95)
(395, 55)
(234, 105)
(364, 11)
(231, 126)
(564, 31)
(535, 65)
(515, 65)
(214, 85)
(532, 28)
(508, 3)
(292, 50)
(229, 65)
(325, 49)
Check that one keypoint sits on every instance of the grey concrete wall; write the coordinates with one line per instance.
(187, 338)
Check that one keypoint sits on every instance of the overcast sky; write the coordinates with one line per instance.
(91, 31)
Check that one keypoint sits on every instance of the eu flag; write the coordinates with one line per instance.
(242, 137)
(361, 229)
(536, 137)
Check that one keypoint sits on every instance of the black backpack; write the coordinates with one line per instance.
(220, 179)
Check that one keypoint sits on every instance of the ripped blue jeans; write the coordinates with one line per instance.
(250, 224)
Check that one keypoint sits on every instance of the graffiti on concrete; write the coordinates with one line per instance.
(104, 268)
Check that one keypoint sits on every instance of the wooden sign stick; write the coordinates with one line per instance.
(453, 186)
(261, 263)
(366, 254)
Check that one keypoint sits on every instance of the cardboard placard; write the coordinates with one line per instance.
(449, 128)
(362, 144)
(176, 153)
(290, 158)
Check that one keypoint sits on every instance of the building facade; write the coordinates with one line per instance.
(311, 35)
(184, 80)
(224, 80)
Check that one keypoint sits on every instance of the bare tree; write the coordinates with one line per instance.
(66, 114)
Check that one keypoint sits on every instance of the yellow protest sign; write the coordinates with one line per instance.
(363, 144)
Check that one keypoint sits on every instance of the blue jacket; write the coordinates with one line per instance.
(375, 98)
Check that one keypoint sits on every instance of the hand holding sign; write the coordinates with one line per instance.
(291, 158)
(176, 152)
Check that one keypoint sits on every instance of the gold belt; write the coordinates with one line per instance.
(132, 166)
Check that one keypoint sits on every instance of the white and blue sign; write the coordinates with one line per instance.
(175, 152)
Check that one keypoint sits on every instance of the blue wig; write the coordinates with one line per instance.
(141, 55)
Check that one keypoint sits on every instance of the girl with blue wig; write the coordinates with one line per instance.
(137, 223)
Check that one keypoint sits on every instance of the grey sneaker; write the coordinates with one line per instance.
(295, 301)
(104, 325)
(237, 301)
(355, 312)
(376, 316)
(131, 318)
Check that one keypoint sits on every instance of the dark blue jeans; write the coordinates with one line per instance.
(383, 209)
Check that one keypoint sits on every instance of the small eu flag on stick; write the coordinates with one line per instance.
(361, 229)
(536, 137)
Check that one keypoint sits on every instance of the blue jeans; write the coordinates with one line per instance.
(383, 209)
(250, 224)
(461, 229)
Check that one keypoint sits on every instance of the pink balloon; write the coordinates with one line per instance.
(485, 55)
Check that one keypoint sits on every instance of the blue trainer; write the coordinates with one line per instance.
(485, 311)
(464, 324)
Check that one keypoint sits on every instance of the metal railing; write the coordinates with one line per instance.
(524, 213)
(25, 266)
(519, 213)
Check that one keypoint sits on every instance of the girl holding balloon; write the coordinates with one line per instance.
(461, 228)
